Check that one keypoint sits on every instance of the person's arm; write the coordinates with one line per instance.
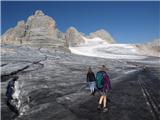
(94, 77)
(109, 84)
(87, 79)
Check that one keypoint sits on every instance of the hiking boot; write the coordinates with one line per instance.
(109, 100)
(105, 109)
(93, 93)
(99, 107)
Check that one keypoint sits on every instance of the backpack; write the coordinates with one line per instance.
(100, 79)
(10, 89)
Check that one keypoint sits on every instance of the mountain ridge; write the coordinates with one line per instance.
(40, 28)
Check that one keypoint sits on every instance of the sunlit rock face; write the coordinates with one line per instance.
(103, 35)
(151, 48)
(74, 37)
(16, 34)
(39, 30)
(41, 26)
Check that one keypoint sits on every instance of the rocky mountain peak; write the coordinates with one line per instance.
(39, 13)
(21, 23)
(39, 30)
(73, 32)
(101, 31)
(72, 29)
(39, 20)
(102, 34)
(74, 37)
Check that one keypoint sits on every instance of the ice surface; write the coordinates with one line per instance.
(98, 47)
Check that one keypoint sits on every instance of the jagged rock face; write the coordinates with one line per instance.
(40, 26)
(15, 35)
(76, 38)
(40, 30)
(150, 48)
(103, 35)
(73, 37)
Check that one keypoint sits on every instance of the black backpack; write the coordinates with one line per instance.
(10, 89)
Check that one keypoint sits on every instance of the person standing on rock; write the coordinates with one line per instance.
(91, 80)
(103, 85)
(11, 97)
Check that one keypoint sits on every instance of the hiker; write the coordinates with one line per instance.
(11, 96)
(91, 80)
(103, 85)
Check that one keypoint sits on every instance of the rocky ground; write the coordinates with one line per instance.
(53, 86)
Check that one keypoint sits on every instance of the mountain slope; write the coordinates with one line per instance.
(150, 48)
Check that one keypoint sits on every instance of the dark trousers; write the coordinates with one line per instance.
(12, 107)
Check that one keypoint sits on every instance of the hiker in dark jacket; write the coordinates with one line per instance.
(103, 86)
(91, 80)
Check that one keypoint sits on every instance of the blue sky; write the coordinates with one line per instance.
(128, 22)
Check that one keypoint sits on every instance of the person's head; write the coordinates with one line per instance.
(89, 69)
(103, 68)
(15, 78)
